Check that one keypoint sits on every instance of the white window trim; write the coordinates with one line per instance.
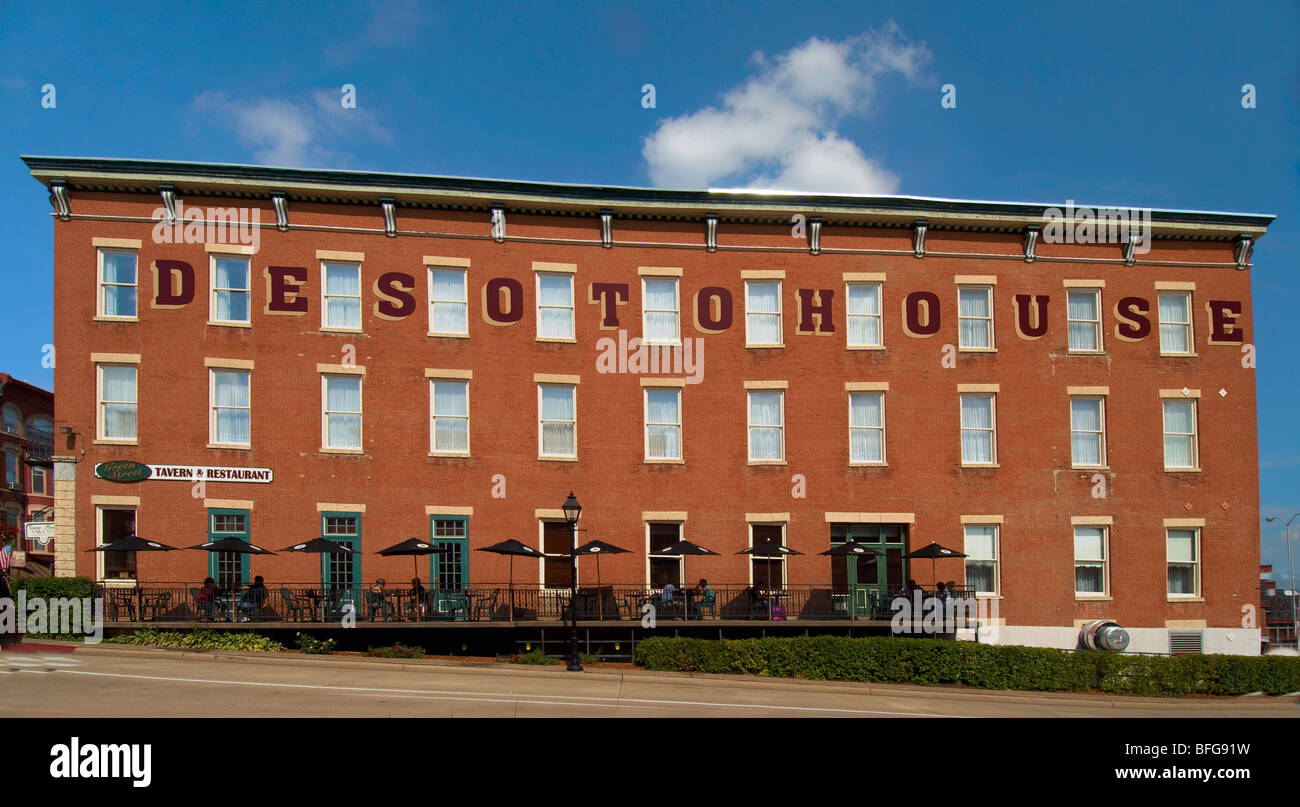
(880, 318)
(1189, 325)
(541, 561)
(997, 559)
(1196, 548)
(780, 313)
(573, 388)
(324, 414)
(993, 407)
(783, 581)
(676, 310)
(101, 405)
(433, 448)
(99, 537)
(212, 408)
(884, 454)
(1195, 434)
(432, 300)
(325, 298)
(1097, 329)
(100, 284)
(212, 288)
(1105, 561)
(48, 489)
(1101, 400)
(681, 559)
(645, 402)
(571, 308)
(749, 426)
(993, 344)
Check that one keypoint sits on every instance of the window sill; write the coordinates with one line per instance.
(1089, 467)
(864, 347)
(220, 324)
(557, 459)
(115, 319)
(664, 462)
(1093, 598)
(661, 342)
(449, 454)
(868, 465)
(557, 340)
(108, 442)
(326, 329)
(977, 350)
(357, 451)
(1069, 352)
(1182, 470)
(767, 462)
(980, 596)
(230, 446)
(765, 347)
(1177, 355)
(448, 335)
(980, 465)
(1181, 598)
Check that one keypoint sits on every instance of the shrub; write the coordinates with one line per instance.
(51, 587)
(396, 651)
(316, 647)
(200, 640)
(933, 661)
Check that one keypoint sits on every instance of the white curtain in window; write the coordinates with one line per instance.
(866, 417)
(663, 424)
(1085, 423)
(450, 311)
(230, 397)
(555, 295)
(1179, 425)
(765, 422)
(120, 402)
(762, 302)
(973, 303)
(451, 415)
(119, 270)
(864, 315)
(1173, 333)
(232, 285)
(1083, 334)
(661, 310)
(557, 405)
(976, 423)
(343, 400)
(343, 290)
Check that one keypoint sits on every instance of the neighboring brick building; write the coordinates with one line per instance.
(398, 355)
(26, 488)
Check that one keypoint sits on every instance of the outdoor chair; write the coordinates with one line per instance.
(485, 605)
(203, 609)
(379, 602)
(709, 604)
(155, 605)
(294, 605)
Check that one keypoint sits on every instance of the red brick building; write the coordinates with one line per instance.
(383, 356)
(27, 486)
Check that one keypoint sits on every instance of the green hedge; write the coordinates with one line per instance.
(50, 587)
(200, 640)
(931, 661)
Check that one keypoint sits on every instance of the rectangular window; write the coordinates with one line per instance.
(554, 306)
(867, 428)
(982, 558)
(864, 317)
(448, 302)
(117, 284)
(40, 481)
(975, 317)
(341, 571)
(230, 289)
(117, 402)
(767, 571)
(766, 425)
(11, 469)
(341, 308)
(1183, 554)
(231, 422)
(664, 569)
(1175, 323)
(557, 418)
(663, 424)
(659, 313)
(229, 569)
(557, 546)
(978, 430)
(451, 566)
(449, 408)
(1087, 431)
(763, 313)
(341, 409)
(1180, 434)
(1084, 318)
(1091, 569)
(114, 524)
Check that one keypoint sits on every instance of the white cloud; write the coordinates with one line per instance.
(777, 130)
(285, 133)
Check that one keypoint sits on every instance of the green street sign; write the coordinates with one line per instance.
(123, 471)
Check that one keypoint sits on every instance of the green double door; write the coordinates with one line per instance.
(865, 580)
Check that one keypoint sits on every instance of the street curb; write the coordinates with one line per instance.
(497, 669)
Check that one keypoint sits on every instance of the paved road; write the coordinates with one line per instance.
(107, 681)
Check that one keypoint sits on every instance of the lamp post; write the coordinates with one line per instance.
(571, 512)
(1295, 624)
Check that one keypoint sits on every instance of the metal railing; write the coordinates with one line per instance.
(296, 602)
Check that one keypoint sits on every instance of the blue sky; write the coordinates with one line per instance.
(1107, 104)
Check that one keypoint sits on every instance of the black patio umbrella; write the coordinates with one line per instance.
(850, 548)
(934, 551)
(321, 546)
(415, 547)
(511, 547)
(238, 546)
(685, 548)
(769, 549)
(133, 543)
(599, 548)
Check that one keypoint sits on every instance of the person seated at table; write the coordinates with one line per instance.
(377, 599)
(254, 596)
(757, 600)
(702, 595)
(952, 589)
(207, 596)
(939, 591)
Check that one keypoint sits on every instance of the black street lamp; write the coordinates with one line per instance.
(571, 512)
